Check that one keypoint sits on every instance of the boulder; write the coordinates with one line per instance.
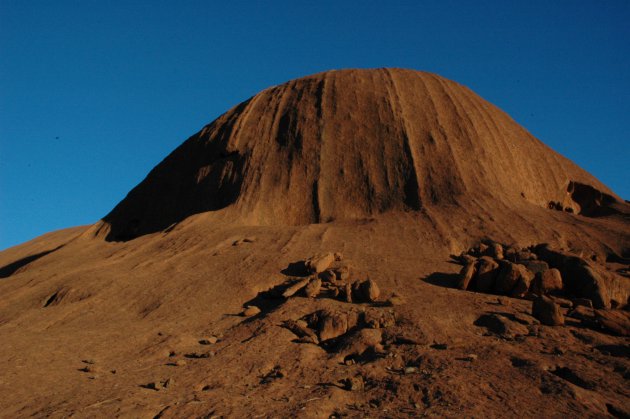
(547, 281)
(331, 324)
(582, 279)
(495, 251)
(535, 266)
(513, 279)
(487, 271)
(366, 291)
(547, 311)
(312, 289)
(295, 287)
(319, 263)
(466, 275)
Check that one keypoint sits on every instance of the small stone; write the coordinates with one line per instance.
(470, 357)
(501, 326)
(312, 289)
(328, 276)
(395, 300)
(582, 302)
(411, 370)
(547, 311)
(250, 311)
(208, 341)
(180, 363)
(495, 250)
(168, 383)
(348, 293)
(504, 301)
(338, 256)
(155, 385)
(562, 302)
(354, 383)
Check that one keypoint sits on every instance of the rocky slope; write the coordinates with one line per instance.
(300, 256)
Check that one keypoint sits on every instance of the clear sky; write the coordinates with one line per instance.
(93, 94)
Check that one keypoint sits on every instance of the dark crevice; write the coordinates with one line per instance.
(316, 209)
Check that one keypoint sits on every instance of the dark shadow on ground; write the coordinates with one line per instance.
(8, 270)
(296, 269)
(442, 279)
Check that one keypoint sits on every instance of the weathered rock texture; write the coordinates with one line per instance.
(350, 144)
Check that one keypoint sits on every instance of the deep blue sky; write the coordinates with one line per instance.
(122, 83)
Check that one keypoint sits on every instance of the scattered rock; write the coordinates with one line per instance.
(199, 355)
(301, 330)
(547, 311)
(342, 273)
(501, 326)
(582, 302)
(250, 311)
(562, 302)
(348, 293)
(319, 263)
(395, 300)
(547, 281)
(411, 370)
(469, 357)
(353, 383)
(513, 279)
(367, 291)
(466, 275)
(495, 251)
(535, 266)
(155, 385)
(312, 289)
(328, 276)
(338, 256)
(331, 325)
(209, 340)
(294, 288)
(487, 271)
(359, 342)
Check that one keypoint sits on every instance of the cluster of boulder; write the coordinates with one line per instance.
(491, 267)
(550, 277)
(329, 276)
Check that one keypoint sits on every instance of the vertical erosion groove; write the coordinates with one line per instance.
(411, 187)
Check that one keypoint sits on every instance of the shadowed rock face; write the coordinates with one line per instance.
(347, 145)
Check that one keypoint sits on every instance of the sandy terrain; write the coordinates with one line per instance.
(399, 172)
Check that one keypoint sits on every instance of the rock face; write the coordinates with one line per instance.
(351, 144)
